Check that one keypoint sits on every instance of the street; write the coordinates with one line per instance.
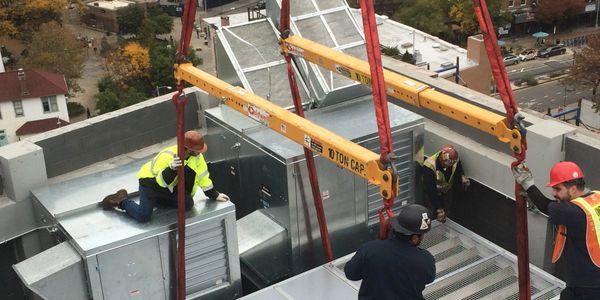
(540, 66)
(550, 94)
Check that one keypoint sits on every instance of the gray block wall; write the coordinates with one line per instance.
(114, 133)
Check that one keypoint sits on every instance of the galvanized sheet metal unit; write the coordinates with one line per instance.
(123, 258)
(267, 180)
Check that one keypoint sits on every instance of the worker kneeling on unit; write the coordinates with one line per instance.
(577, 214)
(439, 183)
(158, 180)
(395, 268)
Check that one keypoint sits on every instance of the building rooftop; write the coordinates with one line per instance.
(43, 125)
(38, 83)
(112, 5)
(434, 51)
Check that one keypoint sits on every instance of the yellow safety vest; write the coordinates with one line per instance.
(154, 168)
(443, 185)
(591, 206)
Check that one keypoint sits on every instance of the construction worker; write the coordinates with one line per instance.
(158, 180)
(575, 211)
(395, 268)
(439, 172)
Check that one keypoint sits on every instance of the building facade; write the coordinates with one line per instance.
(31, 101)
(103, 14)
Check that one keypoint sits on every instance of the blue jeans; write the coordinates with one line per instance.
(149, 198)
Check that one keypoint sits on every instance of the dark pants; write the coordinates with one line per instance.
(149, 198)
(580, 293)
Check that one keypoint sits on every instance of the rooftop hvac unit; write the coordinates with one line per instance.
(265, 174)
(107, 255)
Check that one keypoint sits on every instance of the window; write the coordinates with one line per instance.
(523, 2)
(49, 104)
(18, 105)
(511, 3)
(3, 138)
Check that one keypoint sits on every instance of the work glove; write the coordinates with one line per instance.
(222, 197)
(466, 182)
(175, 163)
(440, 215)
(523, 176)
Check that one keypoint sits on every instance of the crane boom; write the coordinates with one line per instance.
(346, 154)
(405, 89)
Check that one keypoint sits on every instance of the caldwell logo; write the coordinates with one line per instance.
(257, 114)
(295, 50)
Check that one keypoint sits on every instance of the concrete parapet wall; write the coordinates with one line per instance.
(22, 168)
(105, 136)
(584, 149)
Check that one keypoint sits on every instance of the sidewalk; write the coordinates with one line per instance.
(528, 41)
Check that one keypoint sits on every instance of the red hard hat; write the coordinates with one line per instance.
(449, 153)
(563, 172)
(194, 141)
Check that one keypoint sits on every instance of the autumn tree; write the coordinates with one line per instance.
(585, 71)
(21, 18)
(55, 48)
(558, 11)
(451, 20)
(129, 63)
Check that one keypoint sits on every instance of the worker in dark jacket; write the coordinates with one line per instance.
(395, 268)
(440, 173)
(576, 212)
(158, 180)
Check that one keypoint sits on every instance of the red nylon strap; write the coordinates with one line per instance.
(380, 101)
(495, 58)
(310, 162)
(503, 85)
(189, 15)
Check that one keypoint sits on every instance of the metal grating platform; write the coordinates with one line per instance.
(468, 267)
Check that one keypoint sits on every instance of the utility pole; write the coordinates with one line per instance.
(597, 9)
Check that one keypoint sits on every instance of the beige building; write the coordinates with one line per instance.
(103, 14)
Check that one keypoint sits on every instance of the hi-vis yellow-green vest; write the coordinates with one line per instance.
(443, 185)
(154, 168)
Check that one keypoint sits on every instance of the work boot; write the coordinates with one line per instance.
(114, 200)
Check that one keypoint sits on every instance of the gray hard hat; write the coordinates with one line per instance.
(413, 219)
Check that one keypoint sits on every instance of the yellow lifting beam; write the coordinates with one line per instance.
(405, 89)
(344, 153)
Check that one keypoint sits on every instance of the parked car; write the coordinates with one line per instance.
(510, 59)
(528, 54)
(552, 50)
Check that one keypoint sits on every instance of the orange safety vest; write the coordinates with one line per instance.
(591, 206)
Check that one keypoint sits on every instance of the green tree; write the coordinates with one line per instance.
(107, 101)
(585, 71)
(132, 96)
(55, 48)
(162, 59)
(130, 19)
(160, 21)
(426, 15)
(107, 84)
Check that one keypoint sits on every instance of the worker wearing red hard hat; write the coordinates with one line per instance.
(439, 173)
(158, 180)
(576, 211)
